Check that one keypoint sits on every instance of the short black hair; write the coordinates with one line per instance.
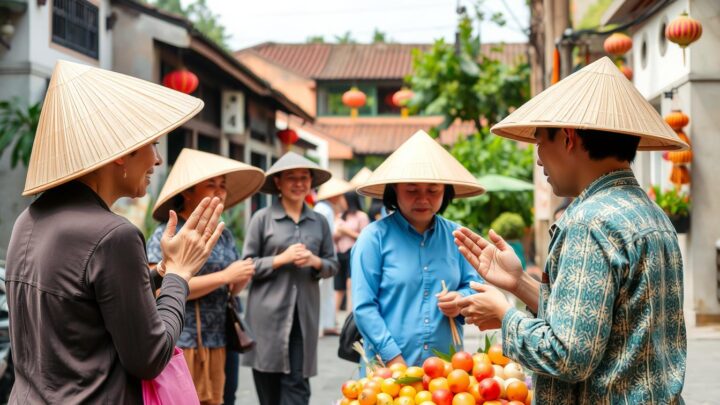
(391, 203)
(353, 204)
(604, 144)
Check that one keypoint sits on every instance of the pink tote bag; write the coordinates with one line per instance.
(173, 386)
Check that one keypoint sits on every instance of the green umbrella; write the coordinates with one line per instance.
(496, 182)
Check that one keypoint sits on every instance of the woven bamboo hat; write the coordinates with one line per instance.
(333, 188)
(596, 97)
(193, 167)
(290, 161)
(361, 177)
(421, 160)
(92, 116)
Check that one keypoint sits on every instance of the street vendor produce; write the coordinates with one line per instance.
(407, 273)
(609, 327)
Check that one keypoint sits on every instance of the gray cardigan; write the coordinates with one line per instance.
(274, 294)
(84, 324)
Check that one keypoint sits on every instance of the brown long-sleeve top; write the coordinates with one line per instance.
(84, 324)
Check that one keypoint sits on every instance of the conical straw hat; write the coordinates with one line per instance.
(290, 161)
(421, 160)
(596, 97)
(92, 116)
(332, 188)
(193, 167)
(361, 177)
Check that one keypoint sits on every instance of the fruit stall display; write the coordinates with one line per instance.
(460, 378)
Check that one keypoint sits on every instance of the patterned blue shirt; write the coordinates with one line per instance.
(396, 273)
(212, 306)
(610, 327)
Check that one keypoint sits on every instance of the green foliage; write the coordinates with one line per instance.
(315, 39)
(673, 201)
(201, 16)
(484, 153)
(235, 221)
(408, 380)
(460, 83)
(345, 38)
(509, 225)
(464, 84)
(18, 124)
(488, 344)
(379, 37)
(446, 356)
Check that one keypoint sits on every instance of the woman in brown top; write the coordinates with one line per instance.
(84, 324)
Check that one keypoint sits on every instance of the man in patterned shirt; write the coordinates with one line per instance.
(609, 327)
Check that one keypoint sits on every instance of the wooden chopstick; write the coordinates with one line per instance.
(453, 327)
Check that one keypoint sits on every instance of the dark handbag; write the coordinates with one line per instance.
(238, 337)
(348, 336)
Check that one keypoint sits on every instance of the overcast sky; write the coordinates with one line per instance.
(418, 21)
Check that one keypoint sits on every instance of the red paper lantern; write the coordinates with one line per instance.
(683, 30)
(402, 97)
(354, 98)
(677, 120)
(181, 80)
(288, 136)
(617, 44)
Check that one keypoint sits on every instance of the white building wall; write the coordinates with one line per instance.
(697, 86)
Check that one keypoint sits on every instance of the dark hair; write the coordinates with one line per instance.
(353, 204)
(391, 203)
(604, 144)
(375, 209)
(178, 202)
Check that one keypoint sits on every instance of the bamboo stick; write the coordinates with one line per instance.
(453, 327)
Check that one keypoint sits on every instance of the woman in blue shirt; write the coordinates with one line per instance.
(399, 262)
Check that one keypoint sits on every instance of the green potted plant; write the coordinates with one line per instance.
(511, 227)
(675, 203)
(18, 122)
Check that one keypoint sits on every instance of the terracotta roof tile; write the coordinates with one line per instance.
(383, 135)
(361, 61)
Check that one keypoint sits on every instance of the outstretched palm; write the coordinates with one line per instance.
(496, 262)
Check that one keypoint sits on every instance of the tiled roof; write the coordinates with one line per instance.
(383, 135)
(360, 61)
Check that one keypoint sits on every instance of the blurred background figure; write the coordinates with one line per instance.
(347, 229)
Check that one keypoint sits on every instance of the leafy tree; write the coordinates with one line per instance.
(18, 123)
(458, 82)
(315, 39)
(379, 37)
(201, 16)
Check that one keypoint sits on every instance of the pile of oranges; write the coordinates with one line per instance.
(468, 379)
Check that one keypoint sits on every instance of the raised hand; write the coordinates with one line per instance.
(496, 262)
(186, 251)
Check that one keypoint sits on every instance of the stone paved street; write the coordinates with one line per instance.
(702, 382)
